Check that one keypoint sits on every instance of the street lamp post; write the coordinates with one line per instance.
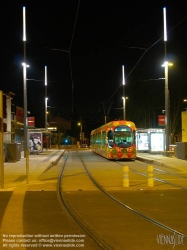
(80, 124)
(166, 86)
(167, 115)
(185, 101)
(25, 66)
(46, 97)
(166, 107)
(24, 82)
(1, 141)
(25, 106)
(123, 75)
(26, 149)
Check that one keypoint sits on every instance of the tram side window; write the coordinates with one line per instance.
(98, 139)
(103, 138)
(95, 139)
(110, 136)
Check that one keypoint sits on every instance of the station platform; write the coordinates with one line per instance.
(161, 160)
(15, 172)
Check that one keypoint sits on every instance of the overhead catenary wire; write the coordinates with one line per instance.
(71, 73)
(130, 47)
(146, 50)
(69, 52)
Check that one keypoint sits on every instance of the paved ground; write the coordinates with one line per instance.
(23, 205)
(15, 173)
(16, 190)
(164, 161)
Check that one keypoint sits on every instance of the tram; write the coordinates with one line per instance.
(115, 140)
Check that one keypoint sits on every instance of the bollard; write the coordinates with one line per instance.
(150, 176)
(126, 176)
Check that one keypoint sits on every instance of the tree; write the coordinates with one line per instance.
(56, 138)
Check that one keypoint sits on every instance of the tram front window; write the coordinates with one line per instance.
(123, 137)
(123, 140)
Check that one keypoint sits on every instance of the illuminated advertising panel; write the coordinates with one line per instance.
(157, 142)
(142, 141)
(35, 141)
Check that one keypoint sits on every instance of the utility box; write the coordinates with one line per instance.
(13, 152)
(182, 150)
(19, 148)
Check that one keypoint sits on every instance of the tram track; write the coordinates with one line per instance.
(93, 235)
(158, 179)
(131, 209)
(163, 171)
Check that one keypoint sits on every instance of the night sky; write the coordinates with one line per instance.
(84, 45)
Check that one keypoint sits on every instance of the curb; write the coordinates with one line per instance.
(151, 161)
(53, 163)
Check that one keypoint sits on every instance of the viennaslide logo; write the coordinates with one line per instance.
(174, 239)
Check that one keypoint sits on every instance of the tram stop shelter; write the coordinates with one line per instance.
(150, 140)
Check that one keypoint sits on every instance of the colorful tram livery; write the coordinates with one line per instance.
(115, 140)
